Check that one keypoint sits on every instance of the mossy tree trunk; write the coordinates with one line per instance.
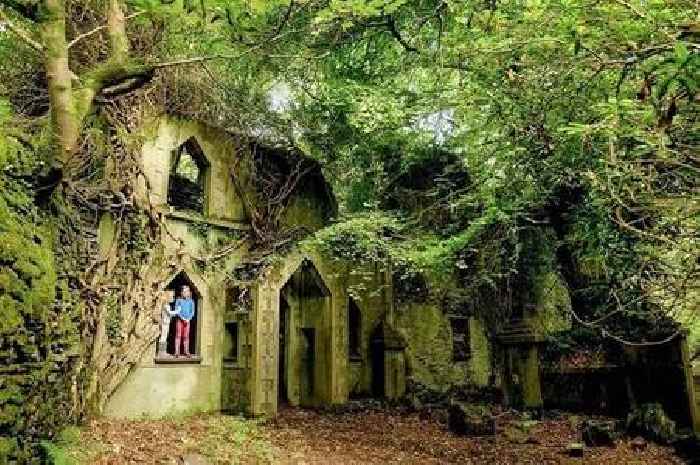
(105, 362)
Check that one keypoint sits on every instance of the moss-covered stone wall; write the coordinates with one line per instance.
(428, 334)
(38, 328)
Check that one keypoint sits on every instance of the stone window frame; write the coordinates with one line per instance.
(204, 166)
(233, 357)
(238, 304)
(461, 341)
(196, 357)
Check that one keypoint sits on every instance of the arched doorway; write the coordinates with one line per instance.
(304, 339)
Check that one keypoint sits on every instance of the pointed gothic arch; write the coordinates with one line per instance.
(188, 178)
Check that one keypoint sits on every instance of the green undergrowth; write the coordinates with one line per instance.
(72, 447)
(230, 440)
(222, 439)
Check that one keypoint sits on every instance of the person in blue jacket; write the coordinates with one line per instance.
(184, 308)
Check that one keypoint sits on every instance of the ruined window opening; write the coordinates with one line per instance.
(168, 357)
(238, 299)
(231, 342)
(354, 330)
(188, 177)
(461, 350)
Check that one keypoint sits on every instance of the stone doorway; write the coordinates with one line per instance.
(304, 339)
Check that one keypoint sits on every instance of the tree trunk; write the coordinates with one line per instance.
(64, 121)
(116, 27)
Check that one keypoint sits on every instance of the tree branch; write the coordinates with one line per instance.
(391, 24)
(286, 17)
(632, 8)
(21, 33)
(98, 29)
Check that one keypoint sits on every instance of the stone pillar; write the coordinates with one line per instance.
(532, 387)
(264, 361)
(522, 387)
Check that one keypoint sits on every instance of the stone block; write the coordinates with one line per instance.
(575, 449)
(470, 420)
(599, 433)
(651, 422)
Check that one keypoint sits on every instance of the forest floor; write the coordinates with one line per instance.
(370, 437)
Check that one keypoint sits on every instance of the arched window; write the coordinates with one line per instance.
(169, 334)
(354, 330)
(188, 177)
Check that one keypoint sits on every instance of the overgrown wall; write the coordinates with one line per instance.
(38, 330)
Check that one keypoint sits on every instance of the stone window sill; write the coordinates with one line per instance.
(231, 363)
(172, 360)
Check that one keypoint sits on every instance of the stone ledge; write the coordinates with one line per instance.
(171, 360)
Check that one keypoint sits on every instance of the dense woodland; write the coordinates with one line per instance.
(469, 143)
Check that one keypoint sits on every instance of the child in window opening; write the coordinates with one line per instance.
(166, 313)
(184, 307)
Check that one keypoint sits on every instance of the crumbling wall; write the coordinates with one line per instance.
(429, 353)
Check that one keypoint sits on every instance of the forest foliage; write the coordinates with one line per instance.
(461, 137)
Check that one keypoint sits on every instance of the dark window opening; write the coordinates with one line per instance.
(176, 286)
(354, 330)
(187, 181)
(461, 349)
(238, 299)
(231, 342)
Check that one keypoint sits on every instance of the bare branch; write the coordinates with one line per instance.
(632, 8)
(98, 29)
(21, 33)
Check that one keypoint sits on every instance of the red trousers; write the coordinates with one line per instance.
(182, 334)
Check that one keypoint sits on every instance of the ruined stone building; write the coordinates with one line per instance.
(312, 330)
(308, 330)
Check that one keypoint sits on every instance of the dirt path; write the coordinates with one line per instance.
(304, 437)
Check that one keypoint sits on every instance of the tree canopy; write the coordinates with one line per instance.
(469, 142)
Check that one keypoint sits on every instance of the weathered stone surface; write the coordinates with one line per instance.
(575, 449)
(519, 432)
(597, 433)
(651, 422)
(470, 420)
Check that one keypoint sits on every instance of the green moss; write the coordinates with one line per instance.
(71, 447)
(36, 331)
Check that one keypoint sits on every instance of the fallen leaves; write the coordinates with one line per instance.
(366, 437)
